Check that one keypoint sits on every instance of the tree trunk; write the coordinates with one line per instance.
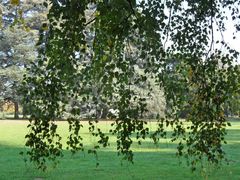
(24, 111)
(16, 110)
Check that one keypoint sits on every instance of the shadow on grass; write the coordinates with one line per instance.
(147, 165)
(150, 162)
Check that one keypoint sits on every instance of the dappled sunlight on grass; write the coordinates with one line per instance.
(150, 161)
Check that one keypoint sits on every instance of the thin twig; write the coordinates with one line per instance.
(221, 32)
(212, 38)
(89, 22)
(131, 7)
(168, 26)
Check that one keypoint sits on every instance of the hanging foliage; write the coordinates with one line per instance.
(90, 52)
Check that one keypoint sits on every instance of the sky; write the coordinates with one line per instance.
(228, 34)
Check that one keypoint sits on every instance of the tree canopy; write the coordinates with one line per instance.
(90, 51)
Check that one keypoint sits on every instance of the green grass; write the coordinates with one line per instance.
(150, 161)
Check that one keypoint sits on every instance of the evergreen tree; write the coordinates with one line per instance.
(17, 46)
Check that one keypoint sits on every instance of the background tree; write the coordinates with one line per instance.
(17, 45)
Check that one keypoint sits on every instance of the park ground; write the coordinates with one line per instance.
(150, 161)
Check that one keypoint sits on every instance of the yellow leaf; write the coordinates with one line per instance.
(97, 13)
(20, 12)
(15, 2)
(104, 58)
(1, 22)
(190, 73)
(110, 43)
(221, 114)
(44, 27)
(1, 18)
(27, 28)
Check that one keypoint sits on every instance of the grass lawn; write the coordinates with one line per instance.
(151, 162)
